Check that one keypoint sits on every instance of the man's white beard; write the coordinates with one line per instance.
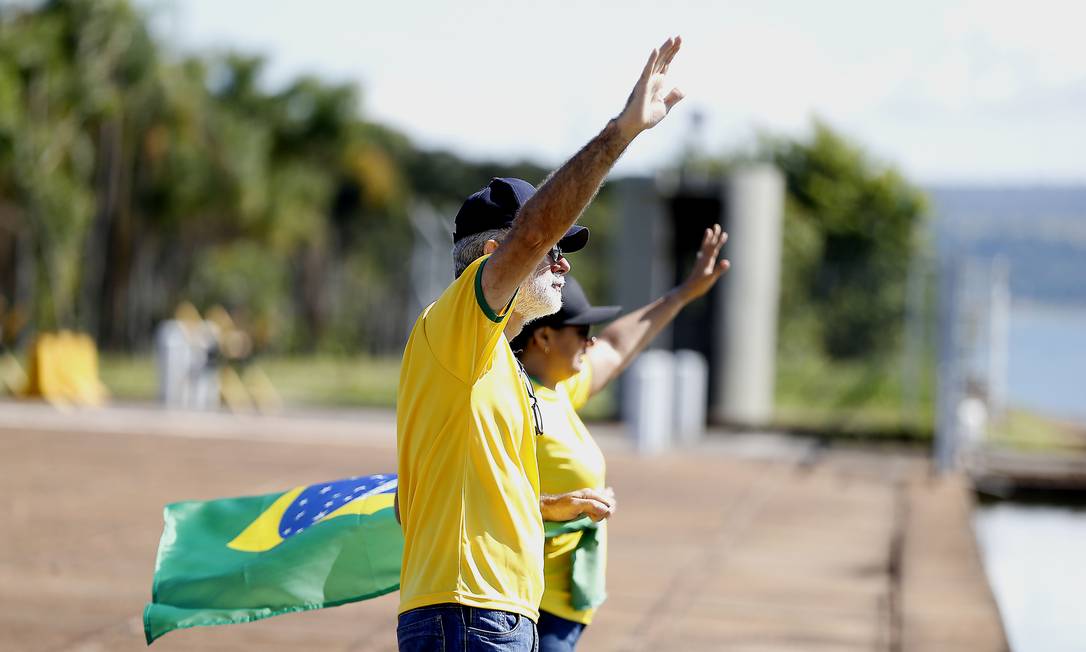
(538, 298)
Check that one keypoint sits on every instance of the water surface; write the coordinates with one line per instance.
(1035, 558)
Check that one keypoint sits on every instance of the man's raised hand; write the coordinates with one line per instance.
(650, 100)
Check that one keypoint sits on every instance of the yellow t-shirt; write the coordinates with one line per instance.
(468, 480)
(569, 459)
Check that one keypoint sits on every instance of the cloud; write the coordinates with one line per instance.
(966, 89)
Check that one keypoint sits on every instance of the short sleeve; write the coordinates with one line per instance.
(461, 328)
(579, 386)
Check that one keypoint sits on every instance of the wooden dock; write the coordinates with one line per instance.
(845, 549)
(1003, 471)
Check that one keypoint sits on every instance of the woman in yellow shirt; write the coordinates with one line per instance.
(567, 367)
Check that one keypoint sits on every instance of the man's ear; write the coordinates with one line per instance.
(490, 246)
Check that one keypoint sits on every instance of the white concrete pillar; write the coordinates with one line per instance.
(691, 394)
(746, 356)
(648, 401)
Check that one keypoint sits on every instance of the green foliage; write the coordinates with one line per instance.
(851, 229)
(1025, 430)
(333, 381)
(850, 233)
(131, 181)
(309, 381)
(251, 281)
(850, 398)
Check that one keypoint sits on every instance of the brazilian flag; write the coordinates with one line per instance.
(236, 560)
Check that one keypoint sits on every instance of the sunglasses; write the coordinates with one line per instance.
(555, 254)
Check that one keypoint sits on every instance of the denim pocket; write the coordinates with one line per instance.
(423, 635)
(491, 625)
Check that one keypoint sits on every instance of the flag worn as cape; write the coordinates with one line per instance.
(236, 560)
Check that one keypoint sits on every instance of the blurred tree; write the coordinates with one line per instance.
(851, 228)
(131, 180)
(45, 161)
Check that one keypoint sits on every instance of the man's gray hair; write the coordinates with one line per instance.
(469, 248)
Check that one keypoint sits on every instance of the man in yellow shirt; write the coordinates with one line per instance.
(468, 497)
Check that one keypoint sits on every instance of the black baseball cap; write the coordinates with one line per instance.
(575, 311)
(496, 206)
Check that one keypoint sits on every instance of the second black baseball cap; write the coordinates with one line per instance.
(576, 310)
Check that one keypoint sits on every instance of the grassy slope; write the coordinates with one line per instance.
(829, 399)
(322, 381)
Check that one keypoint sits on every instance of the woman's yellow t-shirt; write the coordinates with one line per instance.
(569, 459)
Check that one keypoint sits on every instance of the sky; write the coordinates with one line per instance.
(955, 91)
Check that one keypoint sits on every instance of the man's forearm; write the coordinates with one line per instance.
(563, 196)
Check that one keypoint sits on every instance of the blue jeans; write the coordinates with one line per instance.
(456, 628)
(558, 634)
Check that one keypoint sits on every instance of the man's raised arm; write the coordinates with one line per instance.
(546, 216)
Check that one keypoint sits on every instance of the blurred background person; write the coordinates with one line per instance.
(567, 367)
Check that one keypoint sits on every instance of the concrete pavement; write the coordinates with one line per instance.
(733, 545)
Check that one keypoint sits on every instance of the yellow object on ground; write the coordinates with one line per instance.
(64, 370)
(12, 376)
(233, 391)
(262, 390)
